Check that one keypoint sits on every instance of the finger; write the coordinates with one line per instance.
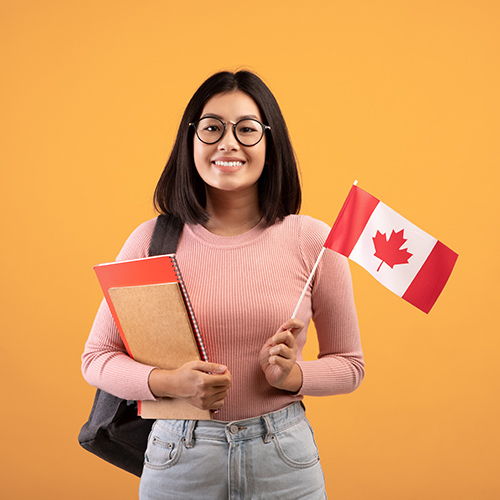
(222, 382)
(207, 397)
(212, 382)
(210, 367)
(216, 398)
(294, 325)
(281, 350)
(281, 362)
(212, 403)
(216, 405)
(285, 337)
(219, 384)
(216, 395)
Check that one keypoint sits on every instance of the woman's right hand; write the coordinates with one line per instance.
(201, 384)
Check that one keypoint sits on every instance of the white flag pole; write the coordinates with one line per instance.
(308, 282)
(311, 275)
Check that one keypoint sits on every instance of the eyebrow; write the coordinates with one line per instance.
(244, 117)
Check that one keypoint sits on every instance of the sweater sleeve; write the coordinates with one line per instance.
(105, 362)
(339, 368)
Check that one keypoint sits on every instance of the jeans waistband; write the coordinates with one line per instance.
(239, 430)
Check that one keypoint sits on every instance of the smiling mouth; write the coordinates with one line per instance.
(228, 163)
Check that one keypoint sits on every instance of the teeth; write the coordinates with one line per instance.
(228, 163)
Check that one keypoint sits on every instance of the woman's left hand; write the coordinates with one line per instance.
(278, 355)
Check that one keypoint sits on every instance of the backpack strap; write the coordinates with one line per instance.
(166, 235)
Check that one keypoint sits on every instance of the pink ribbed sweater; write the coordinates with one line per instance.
(243, 288)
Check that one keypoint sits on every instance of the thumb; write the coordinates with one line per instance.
(294, 325)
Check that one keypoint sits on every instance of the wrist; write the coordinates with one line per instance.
(293, 382)
(158, 382)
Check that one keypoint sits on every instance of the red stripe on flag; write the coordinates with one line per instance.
(427, 285)
(351, 221)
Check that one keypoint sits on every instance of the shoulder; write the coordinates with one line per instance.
(137, 244)
(312, 234)
(307, 234)
(309, 230)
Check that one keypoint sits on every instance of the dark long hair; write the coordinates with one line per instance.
(181, 191)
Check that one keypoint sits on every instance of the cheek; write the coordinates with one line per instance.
(199, 154)
(262, 153)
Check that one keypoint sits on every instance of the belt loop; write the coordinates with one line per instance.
(269, 428)
(189, 433)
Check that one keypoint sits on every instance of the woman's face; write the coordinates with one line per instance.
(227, 165)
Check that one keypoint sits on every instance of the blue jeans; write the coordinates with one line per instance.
(269, 457)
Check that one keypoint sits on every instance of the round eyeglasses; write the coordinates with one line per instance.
(248, 132)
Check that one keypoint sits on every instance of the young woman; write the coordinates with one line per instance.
(245, 257)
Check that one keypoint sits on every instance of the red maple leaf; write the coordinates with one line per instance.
(389, 250)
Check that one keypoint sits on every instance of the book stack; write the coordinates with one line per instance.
(152, 311)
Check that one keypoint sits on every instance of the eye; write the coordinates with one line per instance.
(212, 128)
(247, 130)
(249, 127)
(210, 125)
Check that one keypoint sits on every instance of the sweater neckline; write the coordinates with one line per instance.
(205, 236)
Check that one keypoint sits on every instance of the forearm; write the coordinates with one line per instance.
(339, 368)
(331, 375)
(106, 365)
(164, 384)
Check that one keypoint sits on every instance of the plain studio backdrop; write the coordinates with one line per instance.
(399, 94)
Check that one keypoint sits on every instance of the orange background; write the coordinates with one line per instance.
(401, 95)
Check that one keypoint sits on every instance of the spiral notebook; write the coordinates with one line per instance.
(152, 311)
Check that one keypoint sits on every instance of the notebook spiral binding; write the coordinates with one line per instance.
(189, 307)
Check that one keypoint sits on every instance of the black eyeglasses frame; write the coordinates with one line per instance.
(195, 126)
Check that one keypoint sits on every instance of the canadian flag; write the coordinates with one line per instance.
(402, 257)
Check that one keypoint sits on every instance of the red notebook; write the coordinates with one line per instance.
(152, 311)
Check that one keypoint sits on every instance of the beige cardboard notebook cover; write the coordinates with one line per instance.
(158, 331)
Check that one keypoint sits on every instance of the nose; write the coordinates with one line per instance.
(228, 141)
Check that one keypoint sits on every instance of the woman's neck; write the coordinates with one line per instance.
(231, 215)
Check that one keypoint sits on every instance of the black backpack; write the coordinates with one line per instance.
(114, 431)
